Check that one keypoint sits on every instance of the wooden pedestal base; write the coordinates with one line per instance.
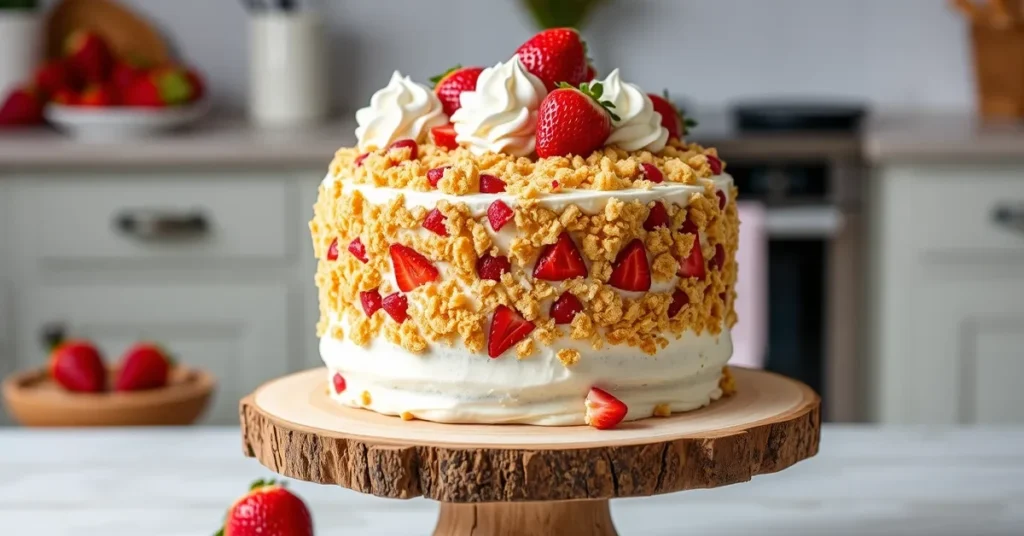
(512, 480)
(578, 518)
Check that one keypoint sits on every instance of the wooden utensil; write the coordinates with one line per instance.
(128, 35)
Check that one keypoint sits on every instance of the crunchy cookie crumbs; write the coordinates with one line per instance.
(568, 357)
(524, 349)
(457, 307)
(663, 410)
(365, 399)
(406, 416)
(727, 383)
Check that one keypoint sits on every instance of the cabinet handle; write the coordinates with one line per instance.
(159, 225)
(1009, 216)
(52, 334)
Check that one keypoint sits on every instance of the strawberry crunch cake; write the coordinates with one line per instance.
(525, 243)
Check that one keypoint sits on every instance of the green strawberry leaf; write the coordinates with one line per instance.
(437, 79)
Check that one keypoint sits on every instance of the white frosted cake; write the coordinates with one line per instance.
(501, 249)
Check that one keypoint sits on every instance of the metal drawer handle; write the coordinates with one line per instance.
(158, 225)
(1010, 216)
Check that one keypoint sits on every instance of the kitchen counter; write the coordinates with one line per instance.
(164, 482)
(937, 138)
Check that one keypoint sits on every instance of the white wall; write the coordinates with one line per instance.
(889, 53)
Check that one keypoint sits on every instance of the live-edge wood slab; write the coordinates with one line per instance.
(292, 427)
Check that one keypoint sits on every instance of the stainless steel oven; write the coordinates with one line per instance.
(813, 227)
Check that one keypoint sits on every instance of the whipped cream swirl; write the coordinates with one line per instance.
(639, 126)
(402, 110)
(500, 116)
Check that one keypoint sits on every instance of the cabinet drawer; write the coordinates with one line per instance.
(963, 209)
(156, 219)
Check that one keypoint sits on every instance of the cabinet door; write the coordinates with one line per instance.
(969, 365)
(237, 332)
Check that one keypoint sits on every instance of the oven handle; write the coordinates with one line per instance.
(817, 221)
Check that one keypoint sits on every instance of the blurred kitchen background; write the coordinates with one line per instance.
(876, 145)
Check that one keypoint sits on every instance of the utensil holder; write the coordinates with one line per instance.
(287, 68)
(999, 70)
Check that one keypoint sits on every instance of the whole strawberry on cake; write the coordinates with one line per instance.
(525, 243)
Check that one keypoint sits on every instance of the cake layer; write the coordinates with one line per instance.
(454, 385)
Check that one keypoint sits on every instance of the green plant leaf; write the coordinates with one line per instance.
(19, 4)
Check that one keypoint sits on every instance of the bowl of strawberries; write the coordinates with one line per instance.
(77, 388)
(91, 93)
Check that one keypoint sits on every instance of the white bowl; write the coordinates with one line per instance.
(122, 122)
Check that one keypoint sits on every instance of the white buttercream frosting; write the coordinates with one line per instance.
(638, 126)
(500, 116)
(402, 110)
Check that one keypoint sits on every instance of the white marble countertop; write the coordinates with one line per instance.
(944, 139)
(178, 482)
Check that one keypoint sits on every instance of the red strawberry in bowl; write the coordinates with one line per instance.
(508, 328)
(268, 509)
(573, 121)
(450, 85)
(604, 411)
(555, 55)
(166, 86)
(144, 366)
(77, 366)
(98, 96)
(53, 77)
(89, 55)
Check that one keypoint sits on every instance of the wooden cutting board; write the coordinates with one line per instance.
(129, 35)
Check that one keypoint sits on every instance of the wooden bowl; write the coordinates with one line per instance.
(33, 399)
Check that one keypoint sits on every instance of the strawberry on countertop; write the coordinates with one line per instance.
(268, 509)
(450, 85)
(573, 121)
(23, 106)
(604, 411)
(144, 366)
(77, 366)
(508, 328)
(556, 55)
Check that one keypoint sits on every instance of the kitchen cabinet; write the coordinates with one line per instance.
(216, 265)
(948, 283)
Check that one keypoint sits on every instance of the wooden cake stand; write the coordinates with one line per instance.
(513, 480)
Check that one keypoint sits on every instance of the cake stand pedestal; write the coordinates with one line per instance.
(516, 480)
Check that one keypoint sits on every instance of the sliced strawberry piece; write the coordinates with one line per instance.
(721, 199)
(652, 173)
(444, 136)
(360, 158)
(339, 383)
(357, 249)
(409, 144)
(434, 223)
(560, 261)
(657, 217)
(489, 184)
(435, 175)
(715, 163)
(604, 411)
(371, 301)
(332, 250)
(411, 268)
(489, 267)
(718, 261)
(679, 300)
(499, 214)
(508, 328)
(693, 264)
(397, 306)
(631, 271)
(565, 308)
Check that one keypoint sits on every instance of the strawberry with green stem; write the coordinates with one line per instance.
(673, 117)
(574, 121)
